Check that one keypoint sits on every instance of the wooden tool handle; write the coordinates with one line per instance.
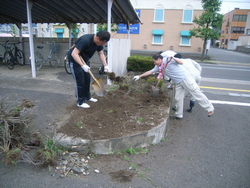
(91, 74)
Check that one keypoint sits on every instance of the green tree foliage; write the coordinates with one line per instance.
(209, 22)
(101, 27)
(13, 31)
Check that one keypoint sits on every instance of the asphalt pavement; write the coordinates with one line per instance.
(198, 151)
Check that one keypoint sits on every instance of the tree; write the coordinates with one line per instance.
(209, 23)
(13, 31)
(101, 27)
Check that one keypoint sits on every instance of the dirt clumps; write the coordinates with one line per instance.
(125, 109)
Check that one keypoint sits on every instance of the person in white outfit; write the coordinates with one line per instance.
(183, 80)
(195, 70)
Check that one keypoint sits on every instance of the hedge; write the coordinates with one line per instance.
(140, 63)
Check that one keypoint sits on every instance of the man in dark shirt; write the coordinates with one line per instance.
(85, 47)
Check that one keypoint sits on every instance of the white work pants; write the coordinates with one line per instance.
(198, 81)
(191, 87)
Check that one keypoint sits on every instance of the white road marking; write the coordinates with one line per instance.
(229, 102)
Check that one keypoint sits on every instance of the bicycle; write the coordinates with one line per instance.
(5, 49)
(53, 57)
(66, 63)
(13, 55)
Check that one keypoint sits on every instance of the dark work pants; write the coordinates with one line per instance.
(82, 81)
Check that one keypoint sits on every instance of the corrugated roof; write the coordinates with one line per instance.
(67, 11)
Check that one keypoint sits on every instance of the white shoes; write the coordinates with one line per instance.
(83, 105)
(93, 100)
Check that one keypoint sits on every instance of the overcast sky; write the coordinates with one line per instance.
(229, 5)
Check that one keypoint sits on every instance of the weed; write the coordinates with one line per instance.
(49, 152)
(126, 158)
(140, 174)
(12, 156)
(189, 158)
(141, 150)
(139, 119)
(112, 88)
(149, 180)
(118, 152)
(131, 151)
(132, 165)
(79, 124)
(110, 111)
(148, 169)
(154, 144)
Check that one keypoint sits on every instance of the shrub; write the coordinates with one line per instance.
(140, 63)
(153, 81)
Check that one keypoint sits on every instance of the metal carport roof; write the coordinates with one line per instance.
(67, 11)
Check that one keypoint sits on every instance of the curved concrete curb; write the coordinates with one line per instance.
(110, 146)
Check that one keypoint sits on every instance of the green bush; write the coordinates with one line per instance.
(140, 63)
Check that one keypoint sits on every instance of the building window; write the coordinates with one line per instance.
(159, 15)
(240, 18)
(187, 16)
(238, 30)
(226, 41)
(185, 40)
(59, 32)
(157, 36)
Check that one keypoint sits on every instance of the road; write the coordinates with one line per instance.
(198, 151)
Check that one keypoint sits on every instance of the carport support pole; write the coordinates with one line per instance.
(109, 50)
(31, 44)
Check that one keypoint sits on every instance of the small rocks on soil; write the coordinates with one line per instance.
(73, 164)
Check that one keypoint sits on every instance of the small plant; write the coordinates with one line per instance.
(49, 152)
(112, 88)
(131, 151)
(141, 150)
(140, 174)
(153, 81)
(132, 165)
(110, 111)
(12, 156)
(154, 144)
(79, 124)
(126, 158)
(139, 119)
(118, 152)
(189, 158)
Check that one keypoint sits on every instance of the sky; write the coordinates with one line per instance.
(229, 5)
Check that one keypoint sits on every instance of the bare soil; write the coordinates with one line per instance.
(126, 108)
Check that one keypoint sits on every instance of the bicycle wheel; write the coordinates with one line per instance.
(54, 60)
(66, 65)
(7, 59)
(39, 60)
(20, 57)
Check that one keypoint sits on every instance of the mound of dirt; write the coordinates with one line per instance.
(125, 109)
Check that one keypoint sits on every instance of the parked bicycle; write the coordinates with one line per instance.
(66, 63)
(13, 55)
(52, 58)
(4, 45)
